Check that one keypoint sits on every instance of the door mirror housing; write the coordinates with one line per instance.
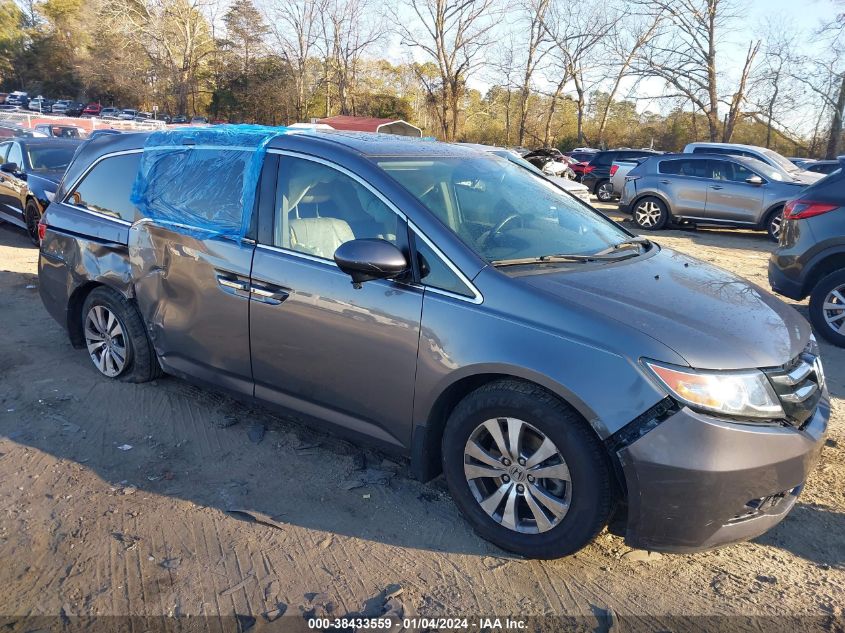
(367, 259)
(9, 168)
(754, 180)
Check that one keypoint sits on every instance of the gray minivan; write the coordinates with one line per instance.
(707, 189)
(452, 306)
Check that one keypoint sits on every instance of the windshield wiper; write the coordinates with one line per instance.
(634, 242)
(615, 253)
(563, 258)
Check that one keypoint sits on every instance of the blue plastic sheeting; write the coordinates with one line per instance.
(203, 178)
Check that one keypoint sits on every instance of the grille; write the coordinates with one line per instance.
(799, 385)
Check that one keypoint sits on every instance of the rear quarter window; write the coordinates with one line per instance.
(107, 187)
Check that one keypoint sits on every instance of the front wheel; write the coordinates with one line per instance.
(650, 214)
(526, 471)
(827, 307)
(604, 191)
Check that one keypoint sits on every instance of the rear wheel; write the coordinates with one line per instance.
(604, 191)
(116, 339)
(774, 222)
(827, 308)
(650, 214)
(526, 471)
(32, 216)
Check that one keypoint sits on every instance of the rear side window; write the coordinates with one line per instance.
(685, 167)
(603, 158)
(107, 187)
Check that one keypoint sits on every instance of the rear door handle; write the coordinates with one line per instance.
(269, 294)
(232, 285)
(717, 187)
(664, 182)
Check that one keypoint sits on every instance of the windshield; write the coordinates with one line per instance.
(786, 165)
(503, 211)
(766, 170)
(47, 158)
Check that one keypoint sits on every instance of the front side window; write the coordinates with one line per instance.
(435, 273)
(503, 211)
(15, 155)
(107, 187)
(319, 208)
(733, 172)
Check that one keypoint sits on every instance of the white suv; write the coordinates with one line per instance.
(763, 154)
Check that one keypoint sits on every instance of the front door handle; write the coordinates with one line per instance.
(717, 187)
(272, 295)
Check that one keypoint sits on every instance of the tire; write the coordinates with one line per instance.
(650, 213)
(580, 456)
(826, 320)
(31, 217)
(774, 222)
(604, 191)
(129, 342)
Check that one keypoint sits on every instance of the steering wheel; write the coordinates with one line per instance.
(499, 227)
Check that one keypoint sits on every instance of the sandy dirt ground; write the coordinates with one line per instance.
(165, 499)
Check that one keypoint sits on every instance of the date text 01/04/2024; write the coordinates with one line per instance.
(413, 624)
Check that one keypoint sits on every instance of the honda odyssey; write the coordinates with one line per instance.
(452, 306)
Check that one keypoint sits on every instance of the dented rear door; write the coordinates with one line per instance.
(193, 293)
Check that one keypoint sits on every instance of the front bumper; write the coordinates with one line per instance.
(695, 482)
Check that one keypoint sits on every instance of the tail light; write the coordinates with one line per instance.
(588, 168)
(614, 169)
(42, 230)
(800, 209)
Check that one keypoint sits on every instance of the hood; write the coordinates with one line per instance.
(48, 179)
(710, 317)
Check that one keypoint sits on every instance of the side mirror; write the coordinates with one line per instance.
(369, 258)
(9, 168)
(754, 180)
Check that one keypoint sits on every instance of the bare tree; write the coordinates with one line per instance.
(576, 36)
(536, 50)
(624, 42)
(683, 54)
(453, 33)
(349, 29)
(295, 27)
(174, 35)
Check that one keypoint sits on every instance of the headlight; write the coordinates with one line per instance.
(746, 393)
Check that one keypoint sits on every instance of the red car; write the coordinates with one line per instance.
(92, 109)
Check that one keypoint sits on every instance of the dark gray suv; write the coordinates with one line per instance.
(451, 306)
(707, 189)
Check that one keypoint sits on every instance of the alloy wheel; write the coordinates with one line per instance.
(31, 218)
(775, 225)
(833, 309)
(105, 340)
(647, 214)
(604, 192)
(517, 475)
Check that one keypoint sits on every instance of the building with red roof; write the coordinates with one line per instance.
(371, 124)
